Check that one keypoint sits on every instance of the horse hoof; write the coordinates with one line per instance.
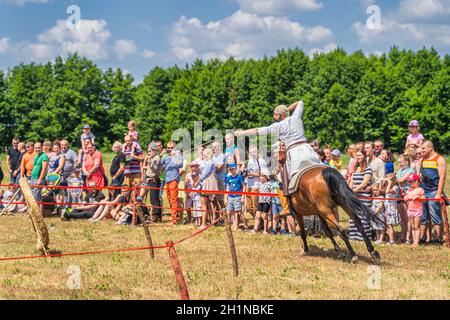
(354, 260)
(376, 257)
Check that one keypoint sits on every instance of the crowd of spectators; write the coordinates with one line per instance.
(195, 190)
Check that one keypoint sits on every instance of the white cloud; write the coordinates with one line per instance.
(5, 45)
(389, 31)
(327, 48)
(423, 9)
(148, 54)
(124, 48)
(89, 40)
(24, 2)
(276, 7)
(241, 35)
(413, 23)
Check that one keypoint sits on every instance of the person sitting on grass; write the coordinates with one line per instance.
(87, 209)
(111, 208)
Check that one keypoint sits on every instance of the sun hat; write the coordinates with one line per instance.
(414, 123)
(413, 177)
(336, 153)
(86, 126)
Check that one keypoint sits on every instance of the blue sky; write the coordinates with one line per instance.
(138, 35)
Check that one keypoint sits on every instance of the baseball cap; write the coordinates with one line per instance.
(86, 126)
(232, 166)
(413, 177)
(336, 153)
(414, 123)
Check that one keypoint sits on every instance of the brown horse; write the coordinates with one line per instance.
(320, 192)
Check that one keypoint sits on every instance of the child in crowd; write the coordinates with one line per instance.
(378, 207)
(74, 181)
(414, 207)
(336, 161)
(235, 183)
(388, 159)
(196, 198)
(391, 206)
(133, 134)
(87, 134)
(264, 203)
(415, 139)
(7, 197)
(277, 209)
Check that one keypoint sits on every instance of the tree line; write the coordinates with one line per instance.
(348, 97)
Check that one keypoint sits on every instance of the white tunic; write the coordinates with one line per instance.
(291, 131)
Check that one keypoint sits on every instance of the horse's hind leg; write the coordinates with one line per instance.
(329, 234)
(375, 255)
(344, 237)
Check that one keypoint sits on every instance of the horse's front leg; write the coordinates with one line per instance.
(301, 223)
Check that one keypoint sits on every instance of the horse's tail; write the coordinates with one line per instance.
(343, 196)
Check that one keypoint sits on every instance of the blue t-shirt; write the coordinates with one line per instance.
(235, 184)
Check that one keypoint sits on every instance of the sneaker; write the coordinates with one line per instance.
(253, 231)
(284, 232)
(437, 242)
(378, 242)
(273, 232)
(291, 234)
(391, 243)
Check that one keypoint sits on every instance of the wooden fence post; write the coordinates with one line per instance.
(184, 293)
(229, 232)
(141, 216)
(445, 217)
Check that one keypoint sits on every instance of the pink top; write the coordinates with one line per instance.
(133, 135)
(97, 176)
(351, 166)
(412, 199)
(415, 139)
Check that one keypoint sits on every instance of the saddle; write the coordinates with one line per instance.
(304, 167)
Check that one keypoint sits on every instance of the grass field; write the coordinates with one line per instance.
(270, 267)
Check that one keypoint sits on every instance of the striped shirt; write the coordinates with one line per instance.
(132, 166)
(354, 234)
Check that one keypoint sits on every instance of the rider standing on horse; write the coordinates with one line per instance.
(291, 133)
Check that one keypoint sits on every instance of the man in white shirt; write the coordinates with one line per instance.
(376, 164)
(255, 166)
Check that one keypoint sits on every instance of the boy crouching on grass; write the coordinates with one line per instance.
(235, 183)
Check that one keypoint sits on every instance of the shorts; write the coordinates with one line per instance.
(264, 207)
(276, 209)
(431, 210)
(117, 182)
(133, 179)
(234, 204)
(415, 213)
(221, 188)
(197, 209)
